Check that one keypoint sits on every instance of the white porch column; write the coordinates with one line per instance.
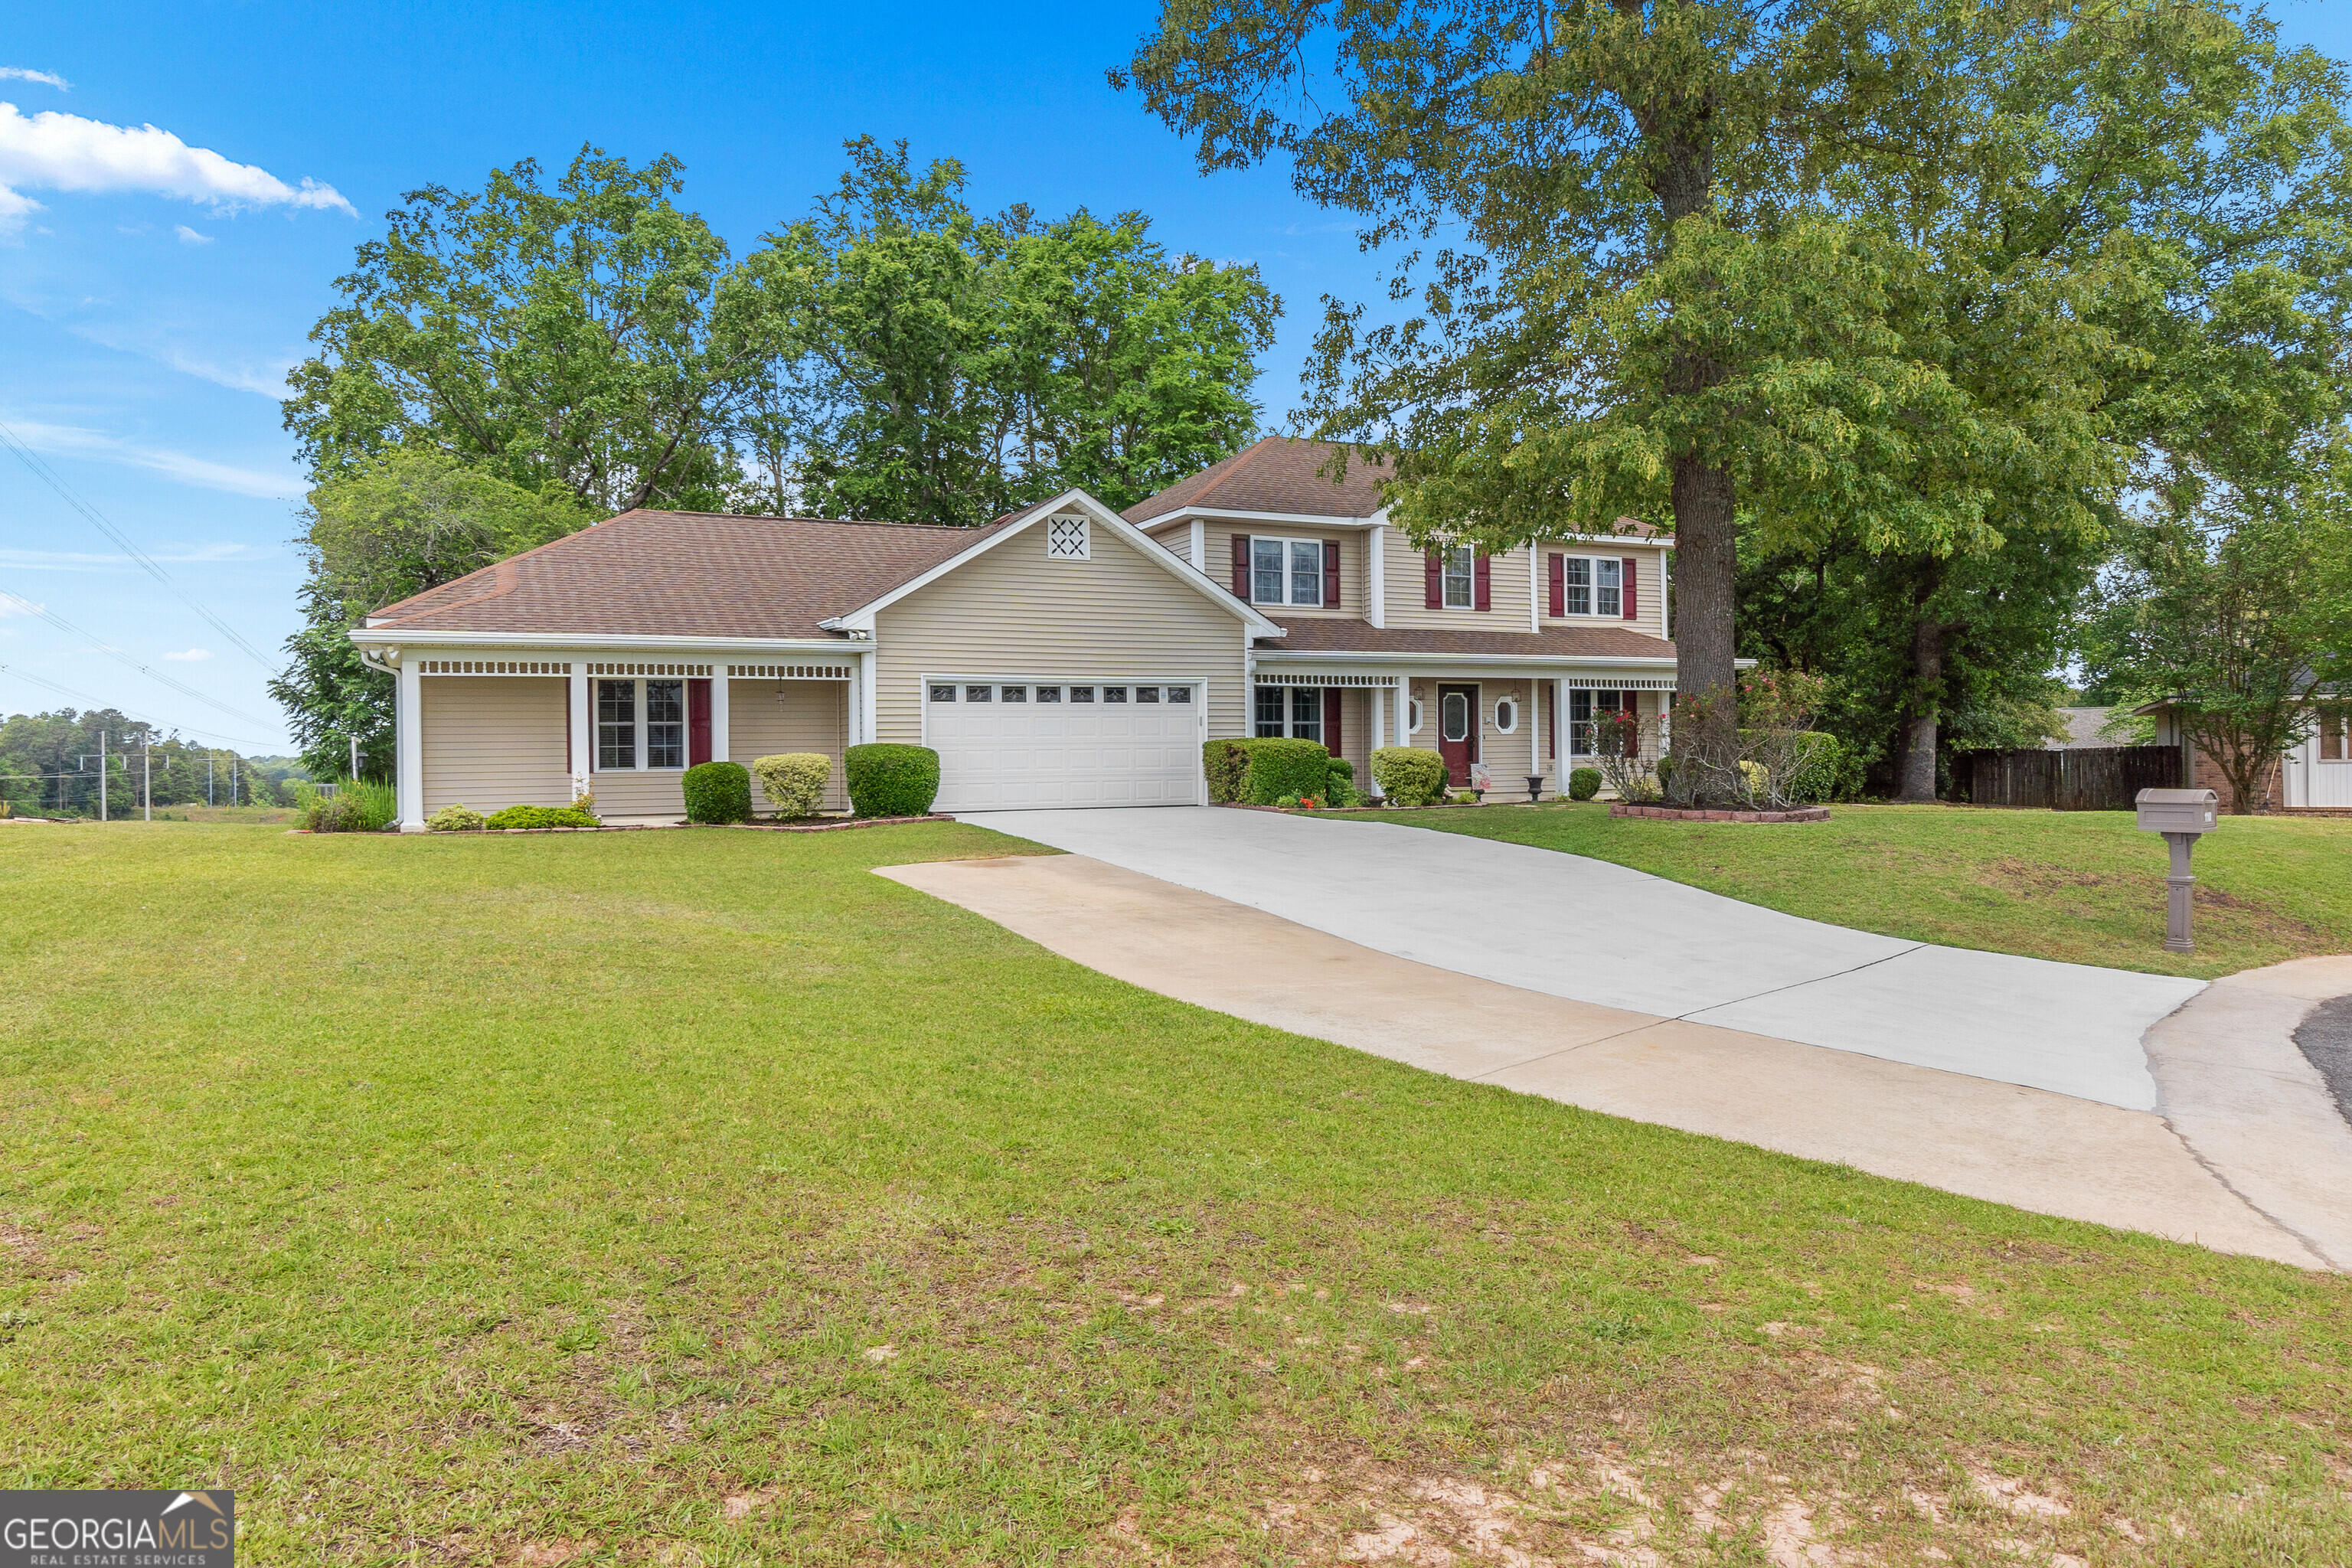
(583, 729)
(1562, 731)
(1535, 588)
(1376, 575)
(1403, 710)
(408, 745)
(1379, 729)
(718, 685)
(1535, 726)
(863, 721)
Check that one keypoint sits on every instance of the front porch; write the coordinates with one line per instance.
(488, 732)
(1511, 722)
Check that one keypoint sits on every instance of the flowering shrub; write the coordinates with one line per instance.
(456, 819)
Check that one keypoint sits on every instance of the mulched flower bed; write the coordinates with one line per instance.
(1680, 814)
(837, 826)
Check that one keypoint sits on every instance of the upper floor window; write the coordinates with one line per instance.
(1286, 570)
(1460, 578)
(1593, 586)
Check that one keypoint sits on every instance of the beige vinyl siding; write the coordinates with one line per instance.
(1356, 732)
(1407, 583)
(492, 741)
(767, 717)
(1649, 598)
(1218, 562)
(641, 791)
(1013, 613)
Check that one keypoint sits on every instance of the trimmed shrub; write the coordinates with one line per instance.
(717, 793)
(794, 782)
(1410, 775)
(1280, 767)
(891, 780)
(516, 816)
(456, 819)
(1225, 763)
(336, 812)
(1583, 783)
(1828, 769)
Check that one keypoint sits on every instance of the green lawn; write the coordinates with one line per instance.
(2081, 887)
(696, 1197)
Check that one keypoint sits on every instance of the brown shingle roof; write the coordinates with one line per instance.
(1333, 636)
(686, 573)
(1279, 473)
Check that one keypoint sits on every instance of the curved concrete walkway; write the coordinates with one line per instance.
(2237, 1162)
(1596, 932)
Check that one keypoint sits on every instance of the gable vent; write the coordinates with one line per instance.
(1066, 539)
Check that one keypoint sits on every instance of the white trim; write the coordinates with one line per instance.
(868, 725)
(1535, 588)
(863, 617)
(1661, 541)
(721, 715)
(1200, 546)
(1376, 574)
(1665, 596)
(1526, 661)
(1397, 706)
(1513, 728)
(1323, 576)
(408, 748)
(583, 728)
(393, 638)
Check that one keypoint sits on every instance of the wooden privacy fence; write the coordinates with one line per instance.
(2090, 778)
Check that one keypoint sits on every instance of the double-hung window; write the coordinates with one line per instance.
(1593, 586)
(1583, 709)
(640, 720)
(1296, 712)
(1460, 578)
(1286, 571)
(616, 724)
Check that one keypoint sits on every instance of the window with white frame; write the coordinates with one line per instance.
(1584, 708)
(1460, 571)
(1285, 571)
(1412, 717)
(640, 724)
(1296, 712)
(1507, 716)
(1066, 539)
(1593, 586)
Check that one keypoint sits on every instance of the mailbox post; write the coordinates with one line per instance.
(2181, 815)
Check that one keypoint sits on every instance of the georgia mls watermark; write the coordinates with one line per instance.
(118, 1529)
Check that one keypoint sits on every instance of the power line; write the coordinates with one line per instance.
(127, 712)
(48, 476)
(116, 654)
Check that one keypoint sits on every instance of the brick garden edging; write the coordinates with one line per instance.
(836, 826)
(1680, 814)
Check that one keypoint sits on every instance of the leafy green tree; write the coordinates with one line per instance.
(564, 339)
(2240, 613)
(931, 365)
(382, 530)
(1857, 270)
(49, 765)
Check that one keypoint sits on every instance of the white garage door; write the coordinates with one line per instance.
(1064, 743)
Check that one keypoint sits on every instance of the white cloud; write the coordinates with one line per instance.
(81, 560)
(50, 78)
(12, 605)
(50, 151)
(202, 472)
(194, 656)
(190, 237)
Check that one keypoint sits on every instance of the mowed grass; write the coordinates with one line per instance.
(2083, 887)
(698, 1197)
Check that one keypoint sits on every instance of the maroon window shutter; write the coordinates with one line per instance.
(1485, 583)
(1331, 720)
(697, 722)
(1241, 567)
(1433, 579)
(1331, 578)
(1631, 565)
(1559, 584)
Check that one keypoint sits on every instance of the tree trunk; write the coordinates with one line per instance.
(1706, 605)
(1916, 782)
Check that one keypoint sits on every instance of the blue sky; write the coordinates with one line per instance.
(143, 334)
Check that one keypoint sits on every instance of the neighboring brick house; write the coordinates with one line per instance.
(2314, 775)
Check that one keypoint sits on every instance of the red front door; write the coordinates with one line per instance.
(1457, 730)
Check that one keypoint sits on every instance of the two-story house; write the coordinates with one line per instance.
(1492, 660)
(1062, 656)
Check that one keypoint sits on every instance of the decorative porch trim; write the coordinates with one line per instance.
(700, 670)
(493, 666)
(790, 671)
(1313, 677)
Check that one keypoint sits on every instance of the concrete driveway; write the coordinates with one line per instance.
(1595, 932)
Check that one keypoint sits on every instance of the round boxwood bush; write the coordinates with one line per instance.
(459, 818)
(891, 780)
(1583, 783)
(718, 792)
(794, 782)
(1280, 767)
(1410, 775)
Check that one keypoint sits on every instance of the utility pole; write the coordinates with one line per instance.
(209, 755)
(146, 777)
(101, 777)
(354, 773)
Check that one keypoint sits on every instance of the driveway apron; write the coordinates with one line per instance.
(1596, 932)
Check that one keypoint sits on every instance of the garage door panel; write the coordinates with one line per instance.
(996, 755)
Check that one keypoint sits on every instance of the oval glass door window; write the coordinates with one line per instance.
(1454, 717)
